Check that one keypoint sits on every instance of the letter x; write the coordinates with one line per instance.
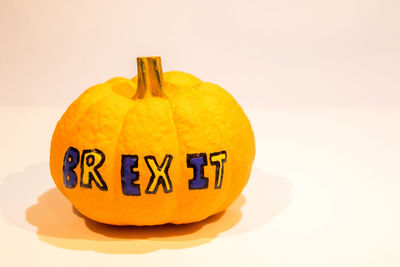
(159, 174)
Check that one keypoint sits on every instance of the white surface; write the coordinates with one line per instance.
(324, 192)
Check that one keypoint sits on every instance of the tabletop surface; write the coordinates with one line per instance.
(324, 191)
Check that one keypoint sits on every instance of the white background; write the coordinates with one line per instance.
(319, 81)
(266, 53)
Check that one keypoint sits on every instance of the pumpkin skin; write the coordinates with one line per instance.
(190, 117)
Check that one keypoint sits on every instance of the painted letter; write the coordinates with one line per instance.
(218, 159)
(197, 162)
(159, 174)
(92, 159)
(129, 176)
(71, 160)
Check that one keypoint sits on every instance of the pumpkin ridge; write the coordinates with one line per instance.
(82, 114)
(178, 141)
(196, 84)
(196, 208)
(177, 72)
(78, 120)
(225, 194)
(116, 143)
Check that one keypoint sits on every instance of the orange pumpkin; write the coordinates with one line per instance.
(159, 148)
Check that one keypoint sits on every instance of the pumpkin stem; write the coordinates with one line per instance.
(150, 77)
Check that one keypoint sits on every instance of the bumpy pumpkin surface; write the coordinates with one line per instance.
(190, 117)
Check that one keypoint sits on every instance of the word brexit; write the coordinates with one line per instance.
(92, 159)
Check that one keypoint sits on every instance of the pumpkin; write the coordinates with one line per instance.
(158, 148)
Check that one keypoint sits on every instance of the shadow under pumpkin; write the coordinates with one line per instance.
(59, 224)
